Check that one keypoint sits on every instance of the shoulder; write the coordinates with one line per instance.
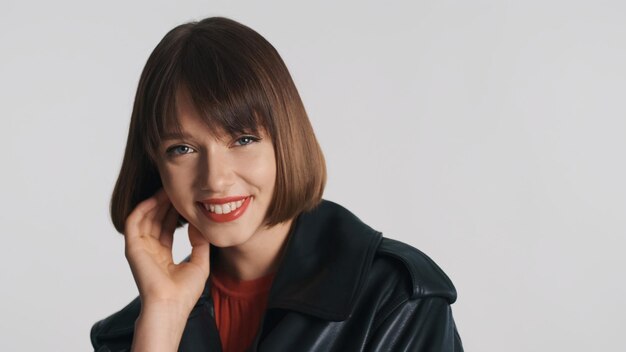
(411, 298)
(414, 270)
(395, 260)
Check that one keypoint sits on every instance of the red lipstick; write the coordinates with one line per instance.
(224, 217)
(222, 200)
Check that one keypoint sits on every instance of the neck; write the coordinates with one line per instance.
(258, 257)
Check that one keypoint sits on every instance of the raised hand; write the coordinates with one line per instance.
(168, 291)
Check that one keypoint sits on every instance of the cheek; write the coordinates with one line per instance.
(258, 169)
(266, 171)
(177, 186)
(270, 176)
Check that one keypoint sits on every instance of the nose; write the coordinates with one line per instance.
(216, 173)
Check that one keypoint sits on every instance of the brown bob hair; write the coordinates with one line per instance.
(238, 82)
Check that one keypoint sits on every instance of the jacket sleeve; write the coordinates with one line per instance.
(424, 324)
(115, 333)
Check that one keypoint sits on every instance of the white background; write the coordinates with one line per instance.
(489, 134)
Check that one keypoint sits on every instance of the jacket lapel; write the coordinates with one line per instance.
(327, 257)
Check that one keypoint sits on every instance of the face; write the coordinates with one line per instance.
(231, 176)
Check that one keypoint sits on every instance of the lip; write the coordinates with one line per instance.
(233, 215)
(223, 200)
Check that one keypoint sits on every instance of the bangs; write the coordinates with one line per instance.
(223, 85)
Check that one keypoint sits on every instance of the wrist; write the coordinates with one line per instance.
(159, 327)
(170, 306)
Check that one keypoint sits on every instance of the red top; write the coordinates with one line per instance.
(239, 308)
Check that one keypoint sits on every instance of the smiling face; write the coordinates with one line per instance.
(206, 168)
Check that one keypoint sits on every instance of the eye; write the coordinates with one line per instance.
(178, 150)
(245, 140)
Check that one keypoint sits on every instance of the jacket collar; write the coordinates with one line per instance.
(327, 257)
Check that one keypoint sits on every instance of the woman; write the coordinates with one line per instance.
(219, 139)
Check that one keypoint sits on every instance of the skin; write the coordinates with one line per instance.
(205, 164)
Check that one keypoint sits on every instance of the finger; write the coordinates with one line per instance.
(134, 220)
(150, 224)
(200, 249)
(133, 224)
(168, 228)
(157, 218)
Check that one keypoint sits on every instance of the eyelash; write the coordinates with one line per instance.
(252, 139)
(170, 150)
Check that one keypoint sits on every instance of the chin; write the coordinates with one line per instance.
(224, 240)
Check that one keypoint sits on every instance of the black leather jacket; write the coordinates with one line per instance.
(340, 286)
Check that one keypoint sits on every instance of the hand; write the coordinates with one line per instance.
(149, 233)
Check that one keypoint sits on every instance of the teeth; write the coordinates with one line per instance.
(223, 208)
